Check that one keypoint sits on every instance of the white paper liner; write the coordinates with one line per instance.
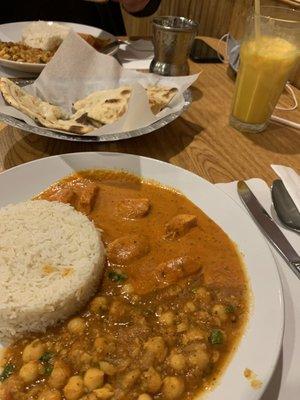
(77, 70)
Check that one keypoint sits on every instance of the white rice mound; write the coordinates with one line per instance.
(44, 35)
(51, 262)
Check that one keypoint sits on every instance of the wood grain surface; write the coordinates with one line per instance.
(200, 141)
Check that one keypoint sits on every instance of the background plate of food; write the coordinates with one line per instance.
(86, 93)
(190, 287)
(28, 46)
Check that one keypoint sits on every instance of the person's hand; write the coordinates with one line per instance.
(133, 6)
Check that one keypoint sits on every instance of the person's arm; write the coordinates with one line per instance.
(140, 8)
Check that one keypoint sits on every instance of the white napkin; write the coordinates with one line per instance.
(291, 181)
(285, 382)
(137, 54)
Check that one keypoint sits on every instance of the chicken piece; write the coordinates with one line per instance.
(64, 195)
(133, 208)
(179, 225)
(173, 270)
(12, 387)
(223, 276)
(127, 248)
(87, 195)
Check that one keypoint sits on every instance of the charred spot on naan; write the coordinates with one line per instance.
(126, 92)
(82, 119)
(77, 129)
(66, 125)
(113, 101)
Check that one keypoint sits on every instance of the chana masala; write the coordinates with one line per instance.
(169, 312)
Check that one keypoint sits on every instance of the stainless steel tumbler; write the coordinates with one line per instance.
(172, 38)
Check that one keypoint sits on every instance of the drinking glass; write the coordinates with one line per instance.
(269, 53)
(172, 38)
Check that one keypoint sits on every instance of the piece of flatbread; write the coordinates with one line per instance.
(160, 96)
(46, 114)
(105, 106)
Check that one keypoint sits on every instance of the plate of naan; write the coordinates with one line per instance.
(94, 111)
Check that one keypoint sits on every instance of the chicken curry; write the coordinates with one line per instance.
(169, 311)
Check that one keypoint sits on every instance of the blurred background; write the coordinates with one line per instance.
(216, 17)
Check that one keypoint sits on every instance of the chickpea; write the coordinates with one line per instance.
(144, 396)
(130, 378)
(59, 375)
(74, 389)
(167, 318)
(100, 344)
(203, 294)
(98, 304)
(215, 356)
(33, 351)
(220, 311)
(199, 358)
(93, 378)
(203, 316)
(151, 380)
(107, 368)
(192, 335)
(127, 288)
(177, 361)
(50, 395)
(173, 387)
(189, 307)
(76, 326)
(105, 393)
(90, 396)
(157, 347)
(103, 346)
(80, 359)
(29, 372)
(182, 327)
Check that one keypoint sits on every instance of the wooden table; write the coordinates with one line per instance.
(201, 140)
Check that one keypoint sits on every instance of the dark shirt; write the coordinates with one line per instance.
(106, 16)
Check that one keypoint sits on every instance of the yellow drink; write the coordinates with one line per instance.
(265, 65)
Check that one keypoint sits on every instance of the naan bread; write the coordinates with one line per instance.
(46, 114)
(30, 105)
(105, 106)
(95, 110)
(159, 97)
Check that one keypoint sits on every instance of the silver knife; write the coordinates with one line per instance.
(269, 227)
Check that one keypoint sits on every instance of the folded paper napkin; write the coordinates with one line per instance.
(137, 54)
(285, 383)
(291, 181)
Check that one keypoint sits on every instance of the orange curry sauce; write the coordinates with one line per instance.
(170, 309)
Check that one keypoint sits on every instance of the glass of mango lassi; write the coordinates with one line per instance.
(269, 54)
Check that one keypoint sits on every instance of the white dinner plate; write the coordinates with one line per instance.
(13, 32)
(260, 345)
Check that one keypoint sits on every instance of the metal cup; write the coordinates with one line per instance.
(172, 38)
